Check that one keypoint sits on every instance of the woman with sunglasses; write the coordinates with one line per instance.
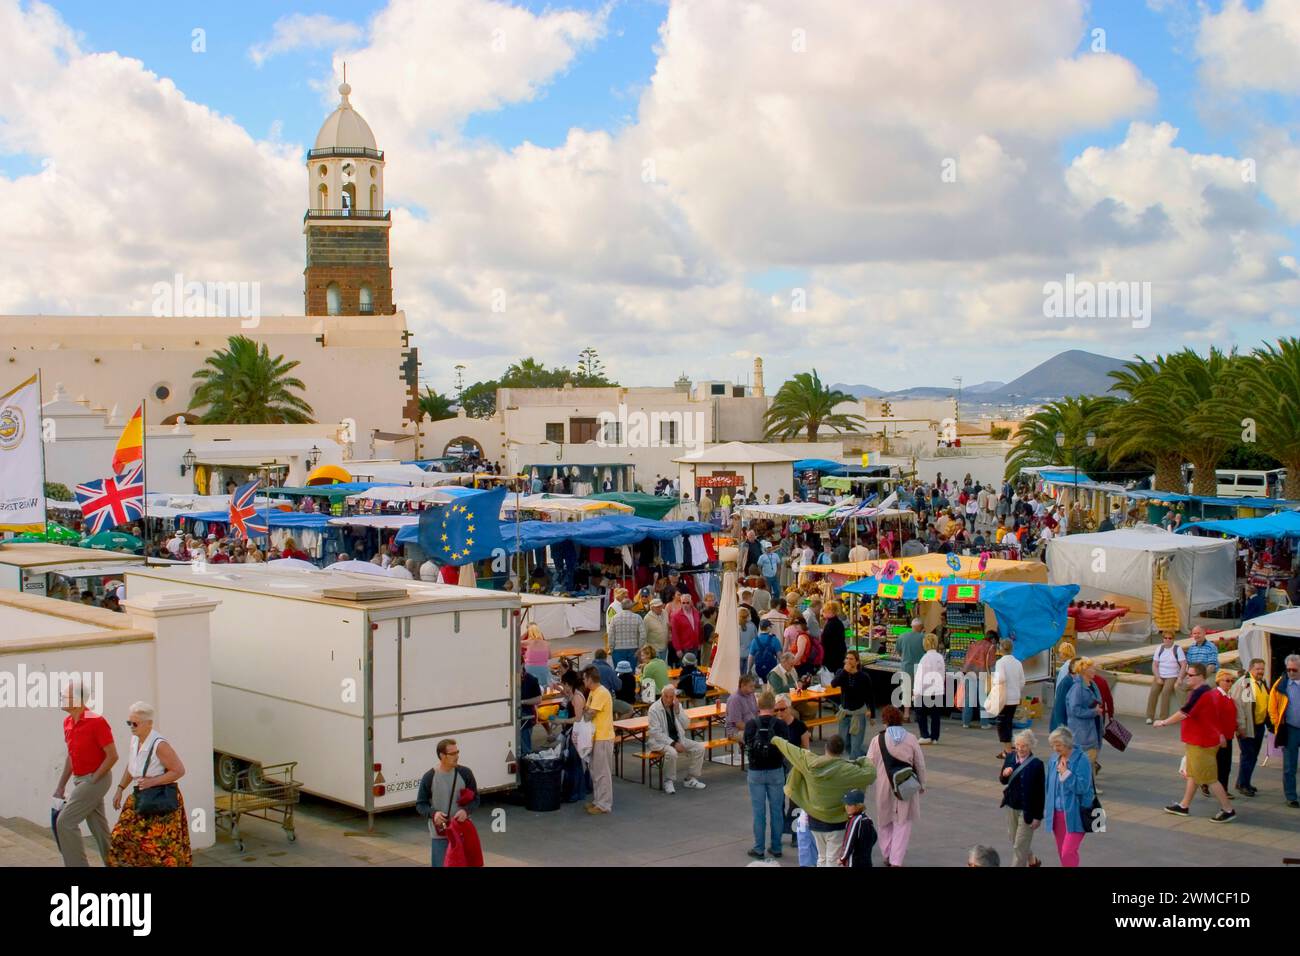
(157, 839)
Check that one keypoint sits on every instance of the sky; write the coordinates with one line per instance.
(888, 192)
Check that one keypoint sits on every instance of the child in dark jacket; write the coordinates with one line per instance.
(859, 833)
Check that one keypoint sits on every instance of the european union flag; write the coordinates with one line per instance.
(467, 530)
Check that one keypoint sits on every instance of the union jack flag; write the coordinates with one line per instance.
(245, 522)
(109, 502)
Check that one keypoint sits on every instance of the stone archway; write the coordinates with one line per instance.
(463, 446)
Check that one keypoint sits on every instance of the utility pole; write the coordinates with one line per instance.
(957, 382)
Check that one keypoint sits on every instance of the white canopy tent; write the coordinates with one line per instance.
(1256, 638)
(1120, 566)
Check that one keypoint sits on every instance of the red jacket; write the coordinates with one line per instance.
(463, 847)
(685, 628)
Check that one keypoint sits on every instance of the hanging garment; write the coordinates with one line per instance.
(698, 554)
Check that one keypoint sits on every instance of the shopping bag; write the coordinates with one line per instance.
(584, 736)
(1117, 735)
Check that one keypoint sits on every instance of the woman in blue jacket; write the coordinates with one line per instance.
(1083, 710)
(1064, 681)
(1069, 795)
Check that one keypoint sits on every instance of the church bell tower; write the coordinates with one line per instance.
(346, 225)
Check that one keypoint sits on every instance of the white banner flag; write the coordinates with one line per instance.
(22, 470)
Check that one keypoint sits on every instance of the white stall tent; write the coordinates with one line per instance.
(357, 690)
(1253, 638)
(1120, 566)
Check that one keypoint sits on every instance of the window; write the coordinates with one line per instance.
(582, 430)
(162, 392)
(668, 433)
(555, 432)
(349, 198)
(322, 196)
(333, 300)
(612, 433)
(367, 301)
(374, 197)
(718, 389)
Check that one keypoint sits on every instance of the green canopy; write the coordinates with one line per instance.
(332, 492)
(653, 507)
(113, 541)
(53, 532)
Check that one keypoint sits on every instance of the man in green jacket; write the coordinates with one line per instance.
(817, 784)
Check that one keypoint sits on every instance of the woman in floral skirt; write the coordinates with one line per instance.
(161, 839)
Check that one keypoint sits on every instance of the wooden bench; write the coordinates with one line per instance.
(729, 743)
(652, 759)
(820, 722)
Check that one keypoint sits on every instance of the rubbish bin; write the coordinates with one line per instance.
(542, 782)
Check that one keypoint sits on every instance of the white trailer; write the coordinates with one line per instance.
(30, 566)
(357, 691)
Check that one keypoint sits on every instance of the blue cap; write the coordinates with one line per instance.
(854, 797)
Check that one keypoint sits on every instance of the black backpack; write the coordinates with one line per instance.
(761, 751)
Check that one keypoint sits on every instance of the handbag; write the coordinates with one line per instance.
(903, 780)
(1117, 735)
(994, 702)
(156, 801)
(1094, 818)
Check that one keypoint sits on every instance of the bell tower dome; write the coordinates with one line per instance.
(346, 224)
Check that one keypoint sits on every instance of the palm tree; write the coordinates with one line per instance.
(243, 385)
(1036, 444)
(1174, 413)
(1264, 405)
(435, 405)
(804, 404)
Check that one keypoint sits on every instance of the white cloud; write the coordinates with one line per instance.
(828, 163)
(1251, 50)
(300, 31)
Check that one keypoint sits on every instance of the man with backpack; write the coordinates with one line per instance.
(764, 652)
(817, 784)
(765, 776)
(1168, 673)
(668, 734)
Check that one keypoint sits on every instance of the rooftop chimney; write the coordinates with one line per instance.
(758, 378)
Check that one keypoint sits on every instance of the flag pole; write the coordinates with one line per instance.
(40, 407)
(144, 475)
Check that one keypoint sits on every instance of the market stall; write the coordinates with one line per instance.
(1137, 567)
(1270, 638)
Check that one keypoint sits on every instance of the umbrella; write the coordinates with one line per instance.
(328, 474)
(113, 541)
(291, 564)
(53, 532)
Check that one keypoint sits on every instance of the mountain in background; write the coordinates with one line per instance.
(1075, 372)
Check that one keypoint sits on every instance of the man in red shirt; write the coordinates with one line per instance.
(1204, 730)
(90, 760)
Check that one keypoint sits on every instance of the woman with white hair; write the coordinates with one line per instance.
(1068, 795)
(153, 829)
(1022, 794)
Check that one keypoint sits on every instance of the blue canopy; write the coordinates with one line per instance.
(276, 519)
(611, 531)
(817, 464)
(1065, 477)
(1032, 615)
(1173, 496)
(1284, 524)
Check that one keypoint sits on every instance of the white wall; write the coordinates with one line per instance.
(158, 655)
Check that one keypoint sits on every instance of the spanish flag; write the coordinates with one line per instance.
(130, 447)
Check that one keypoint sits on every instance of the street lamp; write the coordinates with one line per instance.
(187, 461)
(313, 456)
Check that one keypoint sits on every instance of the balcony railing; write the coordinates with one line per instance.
(366, 308)
(365, 151)
(347, 214)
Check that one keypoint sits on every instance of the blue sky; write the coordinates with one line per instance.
(599, 92)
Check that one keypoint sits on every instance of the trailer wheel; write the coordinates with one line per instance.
(228, 769)
(256, 781)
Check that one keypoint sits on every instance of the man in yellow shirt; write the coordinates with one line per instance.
(600, 711)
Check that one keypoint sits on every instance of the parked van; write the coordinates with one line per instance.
(1248, 484)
